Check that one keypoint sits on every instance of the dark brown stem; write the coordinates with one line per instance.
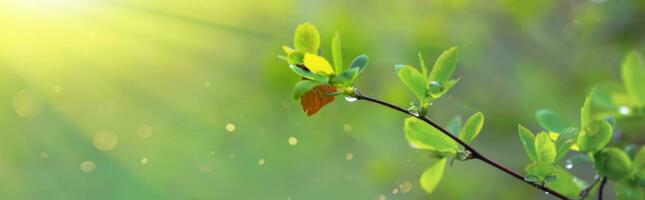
(475, 154)
(584, 193)
(602, 187)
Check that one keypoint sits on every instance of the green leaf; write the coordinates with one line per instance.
(360, 62)
(422, 63)
(423, 136)
(639, 164)
(541, 170)
(633, 74)
(337, 53)
(346, 78)
(565, 140)
(528, 142)
(565, 183)
(412, 79)
(626, 191)
(445, 65)
(431, 177)
(454, 125)
(585, 111)
(306, 38)
(594, 136)
(302, 87)
(442, 89)
(297, 57)
(472, 127)
(308, 74)
(550, 121)
(613, 163)
(545, 148)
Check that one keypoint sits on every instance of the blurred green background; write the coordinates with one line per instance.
(149, 99)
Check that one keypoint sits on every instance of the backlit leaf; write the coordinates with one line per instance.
(594, 136)
(412, 79)
(317, 64)
(472, 127)
(306, 38)
(613, 163)
(444, 66)
(423, 136)
(432, 176)
(633, 74)
(528, 142)
(337, 53)
(545, 148)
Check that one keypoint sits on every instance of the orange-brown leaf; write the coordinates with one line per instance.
(313, 100)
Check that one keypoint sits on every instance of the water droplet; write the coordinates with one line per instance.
(105, 140)
(546, 193)
(349, 156)
(293, 141)
(347, 128)
(435, 87)
(261, 161)
(624, 110)
(568, 164)
(405, 187)
(230, 127)
(414, 112)
(88, 166)
(350, 98)
(144, 131)
(144, 161)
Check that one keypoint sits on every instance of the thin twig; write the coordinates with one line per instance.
(475, 154)
(584, 193)
(602, 187)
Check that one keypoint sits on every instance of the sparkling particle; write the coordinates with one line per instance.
(261, 162)
(349, 156)
(347, 128)
(88, 166)
(405, 187)
(144, 131)
(105, 140)
(382, 197)
(212, 153)
(230, 127)
(350, 99)
(26, 104)
(293, 141)
(624, 110)
(395, 191)
(44, 155)
(144, 161)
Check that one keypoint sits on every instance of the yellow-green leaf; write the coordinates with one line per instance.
(306, 38)
(337, 53)
(594, 136)
(445, 65)
(412, 79)
(423, 136)
(639, 164)
(613, 163)
(472, 127)
(585, 111)
(551, 121)
(317, 64)
(545, 148)
(528, 142)
(633, 74)
(431, 177)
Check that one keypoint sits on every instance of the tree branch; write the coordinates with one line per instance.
(584, 193)
(475, 154)
(602, 187)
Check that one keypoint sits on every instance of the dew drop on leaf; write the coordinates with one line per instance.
(624, 110)
(350, 99)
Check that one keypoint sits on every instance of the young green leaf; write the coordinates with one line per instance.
(541, 170)
(346, 78)
(317, 64)
(445, 65)
(412, 79)
(626, 191)
(565, 140)
(423, 136)
(360, 62)
(454, 125)
(613, 163)
(551, 121)
(303, 86)
(633, 74)
(308, 74)
(639, 164)
(545, 148)
(528, 142)
(306, 38)
(422, 63)
(585, 111)
(431, 177)
(337, 53)
(472, 127)
(565, 183)
(296, 57)
(594, 136)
